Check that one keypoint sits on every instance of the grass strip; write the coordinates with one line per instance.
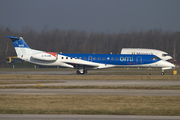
(88, 77)
(84, 104)
(28, 82)
(94, 87)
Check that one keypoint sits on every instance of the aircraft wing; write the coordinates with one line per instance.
(79, 65)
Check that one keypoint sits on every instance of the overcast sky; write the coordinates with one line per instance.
(111, 16)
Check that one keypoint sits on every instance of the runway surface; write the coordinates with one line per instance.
(88, 92)
(96, 91)
(91, 92)
(73, 71)
(39, 72)
(101, 83)
(83, 117)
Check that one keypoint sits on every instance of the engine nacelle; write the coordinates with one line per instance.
(46, 56)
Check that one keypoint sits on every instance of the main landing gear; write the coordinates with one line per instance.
(162, 73)
(81, 72)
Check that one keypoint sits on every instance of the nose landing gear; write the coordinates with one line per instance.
(162, 73)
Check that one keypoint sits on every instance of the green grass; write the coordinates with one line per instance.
(84, 104)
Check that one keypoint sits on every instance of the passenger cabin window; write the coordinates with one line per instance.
(71, 58)
(107, 58)
(103, 58)
(94, 58)
(112, 58)
(131, 59)
(117, 58)
(62, 57)
(121, 58)
(126, 59)
(84, 58)
(99, 58)
(80, 58)
(75, 57)
(66, 57)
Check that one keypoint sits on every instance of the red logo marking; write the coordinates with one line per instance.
(52, 53)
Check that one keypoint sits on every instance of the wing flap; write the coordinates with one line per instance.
(78, 65)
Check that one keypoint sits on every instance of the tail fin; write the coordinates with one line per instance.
(18, 42)
(20, 45)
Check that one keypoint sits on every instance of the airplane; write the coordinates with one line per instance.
(144, 51)
(84, 62)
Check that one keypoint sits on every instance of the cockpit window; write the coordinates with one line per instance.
(156, 58)
(164, 55)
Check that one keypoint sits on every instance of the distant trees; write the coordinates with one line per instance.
(73, 41)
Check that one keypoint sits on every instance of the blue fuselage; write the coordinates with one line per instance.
(114, 59)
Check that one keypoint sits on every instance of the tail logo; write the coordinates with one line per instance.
(21, 45)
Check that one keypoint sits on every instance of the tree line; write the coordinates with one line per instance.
(74, 41)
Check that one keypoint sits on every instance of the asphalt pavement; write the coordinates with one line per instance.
(89, 92)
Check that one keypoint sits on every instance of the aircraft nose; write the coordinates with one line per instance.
(168, 64)
(173, 65)
(165, 64)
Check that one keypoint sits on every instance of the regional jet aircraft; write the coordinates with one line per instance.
(84, 62)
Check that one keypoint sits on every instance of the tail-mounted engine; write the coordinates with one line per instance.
(46, 56)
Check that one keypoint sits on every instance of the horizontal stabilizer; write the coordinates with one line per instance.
(14, 38)
(18, 42)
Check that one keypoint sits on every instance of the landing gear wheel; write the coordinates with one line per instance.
(162, 73)
(80, 73)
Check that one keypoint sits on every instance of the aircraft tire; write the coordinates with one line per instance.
(79, 73)
(162, 73)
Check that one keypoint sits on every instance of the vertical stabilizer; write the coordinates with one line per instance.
(20, 46)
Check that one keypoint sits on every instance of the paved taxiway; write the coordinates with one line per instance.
(90, 92)
(63, 72)
(83, 117)
(39, 72)
(97, 91)
(101, 83)
(115, 83)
